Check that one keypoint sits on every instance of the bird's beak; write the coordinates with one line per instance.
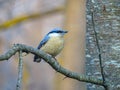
(65, 31)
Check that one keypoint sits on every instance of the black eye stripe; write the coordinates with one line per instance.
(57, 31)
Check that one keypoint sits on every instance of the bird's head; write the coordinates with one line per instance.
(57, 32)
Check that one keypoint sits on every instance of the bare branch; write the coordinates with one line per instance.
(98, 47)
(51, 61)
(99, 52)
(20, 71)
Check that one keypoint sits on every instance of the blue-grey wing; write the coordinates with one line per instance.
(43, 42)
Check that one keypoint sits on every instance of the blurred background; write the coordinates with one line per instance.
(27, 21)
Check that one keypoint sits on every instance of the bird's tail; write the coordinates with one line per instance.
(37, 59)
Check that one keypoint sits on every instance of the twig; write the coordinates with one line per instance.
(52, 62)
(20, 71)
(99, 51)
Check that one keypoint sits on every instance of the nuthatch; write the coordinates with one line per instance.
(52, 43)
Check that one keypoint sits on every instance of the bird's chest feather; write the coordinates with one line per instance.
(53, 46)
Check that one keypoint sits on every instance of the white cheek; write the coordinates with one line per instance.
(54, 35)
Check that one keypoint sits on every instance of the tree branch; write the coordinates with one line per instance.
(52, 62)
(98, 47)
(20, 71)
(99, 51)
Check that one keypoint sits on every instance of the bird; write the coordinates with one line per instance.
(52, 43)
